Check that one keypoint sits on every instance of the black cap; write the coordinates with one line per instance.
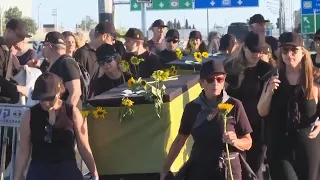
(158, 23)
(172, 34)
(257, 18)
(20, 25)
(291, 38)
(211, 67)
(227, 40)
(251, 41)
(195, 35)
(265, 47)
(105, 50)
(47, 86)
(106, 28)
(134, 33)
(54, 37)
(273, 42)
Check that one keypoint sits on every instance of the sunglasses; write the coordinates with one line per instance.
(211, 79)
(172, 40)
(106, 59)
(48, 136)
(285, 50)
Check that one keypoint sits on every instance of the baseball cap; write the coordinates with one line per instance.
(273, 42)
(172, 34)
(54, 37)
(106, 28)
(105, 50)
(20, 25)
(227, 40)
(257, 18)
(195, 35)
(211, 67)
(134, 33)
(266, 48)
(291, 38)
(158, 23)
(47, 86)
(251, 41)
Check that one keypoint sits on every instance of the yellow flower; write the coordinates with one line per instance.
(173, 71)
(131, 82)
(127, 102)
(125, 65)
(179, 55)
(164, 75)
(225, 107)
(99, 113)
(134, 60)
(197, 56)
(160, 75)
(140, 60)
(85, 113)
(205, 54)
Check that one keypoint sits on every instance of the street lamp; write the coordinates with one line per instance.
(39, 16)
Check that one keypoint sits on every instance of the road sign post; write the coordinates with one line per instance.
(162, 5)
(205, 4)
(310, 17)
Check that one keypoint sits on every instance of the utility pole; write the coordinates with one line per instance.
(54, 14)
(280, 16)
(106, 10)
(39, 16)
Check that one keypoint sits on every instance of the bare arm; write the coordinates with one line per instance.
(24, 146)
(243, 143)
(174, 151)
(81, 132)
(266, 96)
(74, 89)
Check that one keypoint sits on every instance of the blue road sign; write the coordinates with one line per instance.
(205, 4)
(309, 6)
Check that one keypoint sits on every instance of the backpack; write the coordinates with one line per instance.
(84, 79)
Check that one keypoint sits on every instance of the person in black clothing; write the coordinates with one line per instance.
(51, 128)
(316, 57)
(120, 49)
(257, 24)
(195, 43)
(244, 83)
(228, 45)
(64, 66)
(113, 76)
(273, 42)
(23, 53)
(290, 101)
(202, 119)
(135, 50)
(172, 42)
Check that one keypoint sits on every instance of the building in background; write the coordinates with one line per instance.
(24, 5)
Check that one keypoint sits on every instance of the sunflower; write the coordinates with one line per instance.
(125, 65)
(197, 56)
(164, 75)
(99, 113)
(173, 71)
(131, 82)
(179, 55)
(225, 108)
(127, 102)
(134, 60)
(205, 54)
(85, 113)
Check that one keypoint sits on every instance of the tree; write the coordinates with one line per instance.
(170, 25)
(87, 23)
(178, 25)
(175, 23)
(193, 27)
(186, 25)
(31, 25)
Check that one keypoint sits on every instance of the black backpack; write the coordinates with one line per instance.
(84, 79)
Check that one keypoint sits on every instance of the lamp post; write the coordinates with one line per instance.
(39, 16)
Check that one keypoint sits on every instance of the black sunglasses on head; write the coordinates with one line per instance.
(106, 59)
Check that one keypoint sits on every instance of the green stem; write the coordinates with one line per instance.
(227, 147)
(135, 69)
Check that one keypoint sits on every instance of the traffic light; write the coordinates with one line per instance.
(278, 23)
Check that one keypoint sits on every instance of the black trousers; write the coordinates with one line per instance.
(256, 155)
(295, 157)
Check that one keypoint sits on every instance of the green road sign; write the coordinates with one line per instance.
(162, 5)
(308, 25)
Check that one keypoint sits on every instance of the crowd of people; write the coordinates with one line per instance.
(271, 83)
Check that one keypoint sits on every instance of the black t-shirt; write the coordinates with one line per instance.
(250, 89)
(27, 56)
(86, 57)
(150, 64)
(105, 83)
(167, 56)
(208, 145)
(67, 69)
(118, 45)
(156, 47)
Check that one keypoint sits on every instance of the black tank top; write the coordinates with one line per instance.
(62, 144)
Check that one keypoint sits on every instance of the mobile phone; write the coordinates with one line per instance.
(314, 124)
